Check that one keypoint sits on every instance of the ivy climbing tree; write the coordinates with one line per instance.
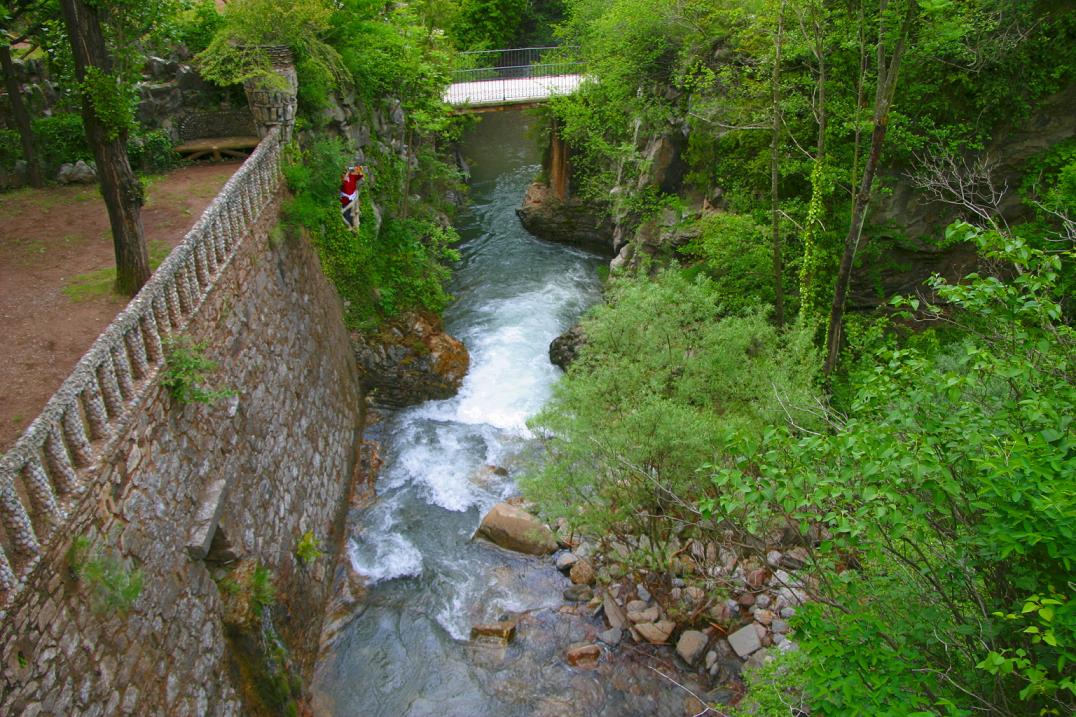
(106, 115)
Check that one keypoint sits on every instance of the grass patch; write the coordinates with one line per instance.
(100, 282)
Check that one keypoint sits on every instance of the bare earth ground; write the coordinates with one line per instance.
(56, 268)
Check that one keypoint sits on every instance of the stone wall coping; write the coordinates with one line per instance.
(44, 471)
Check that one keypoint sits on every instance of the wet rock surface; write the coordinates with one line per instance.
(411, 361)
(570, 221)
(565, 348)
(515, 529)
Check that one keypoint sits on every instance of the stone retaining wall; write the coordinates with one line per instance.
(115, 459)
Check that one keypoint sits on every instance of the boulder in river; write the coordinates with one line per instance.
(503, 630)
(410, 361)
(565, 348)
(569, 221)
(515, 529)
(583, 655)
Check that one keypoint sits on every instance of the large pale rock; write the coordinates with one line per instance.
(691, 645)
(77, 173)
(650, 614)
(656, 632)
(664, 163)
(745, 640)
(516, 529)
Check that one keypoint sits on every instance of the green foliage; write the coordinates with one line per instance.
(61, 138)
(736, 252)
(114, 585)
(308, 549)
(379, 274)
(112, 99)
(945, 486)
(488, 24)
(662, 377)
(262, 590)
(236, 52)
(10, 148)
(776, 689)
(197, 24)
(152, 151)
(185, 371)
(397, 51)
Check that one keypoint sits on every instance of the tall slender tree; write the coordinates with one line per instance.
(106, 131)
(775, 162)
(887, 70)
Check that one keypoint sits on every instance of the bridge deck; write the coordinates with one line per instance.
(492, 93)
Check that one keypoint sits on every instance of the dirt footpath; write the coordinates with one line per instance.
(56, 266)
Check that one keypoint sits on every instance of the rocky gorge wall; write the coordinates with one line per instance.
(179, 492)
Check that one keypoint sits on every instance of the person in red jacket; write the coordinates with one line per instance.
(349, 194)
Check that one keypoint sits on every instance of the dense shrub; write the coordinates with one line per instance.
(736, 252)
(10, 148)
(60, 138)
(662, 377)
(946, 499)
(152, 151)
(197, 24)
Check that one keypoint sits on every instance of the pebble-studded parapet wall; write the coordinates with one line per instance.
(116, 460)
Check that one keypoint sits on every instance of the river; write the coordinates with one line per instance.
(408, 652)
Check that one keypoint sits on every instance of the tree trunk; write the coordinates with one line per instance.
(775, 144)
(22, 119)
(119, 186)
(887, 86)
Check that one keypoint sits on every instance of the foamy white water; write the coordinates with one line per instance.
(430, 582)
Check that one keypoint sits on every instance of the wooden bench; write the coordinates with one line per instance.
(217, 134)
(218, 147)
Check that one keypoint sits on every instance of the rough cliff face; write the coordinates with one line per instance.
(899, 250)
(570, 221)
(410, 361)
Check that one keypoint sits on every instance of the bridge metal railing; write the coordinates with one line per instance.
(43, 476)
(518, 74)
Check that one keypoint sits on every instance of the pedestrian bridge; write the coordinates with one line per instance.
(488, 80)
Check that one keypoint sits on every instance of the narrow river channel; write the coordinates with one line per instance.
(408, 652)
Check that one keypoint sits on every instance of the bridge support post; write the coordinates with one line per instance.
(558, 164)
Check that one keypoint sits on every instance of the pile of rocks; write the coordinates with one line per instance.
(719, 609)
(709, 632)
